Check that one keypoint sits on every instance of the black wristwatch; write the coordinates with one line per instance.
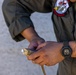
(66, 50)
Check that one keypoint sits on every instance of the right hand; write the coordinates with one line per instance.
(31, 35)
(35, 42)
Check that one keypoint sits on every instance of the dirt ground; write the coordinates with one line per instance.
(12, 61)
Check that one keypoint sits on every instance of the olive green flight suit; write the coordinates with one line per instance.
(17, 16)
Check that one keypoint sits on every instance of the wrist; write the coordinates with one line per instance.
(33, 37)
(58, 49)
(61, 45)
(73, 47)
(29, 34)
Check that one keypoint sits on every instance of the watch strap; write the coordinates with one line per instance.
(66, 43)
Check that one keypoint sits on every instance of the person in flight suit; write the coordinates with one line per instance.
(17, 16)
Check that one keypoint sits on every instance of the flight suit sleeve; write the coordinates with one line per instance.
(17, 15)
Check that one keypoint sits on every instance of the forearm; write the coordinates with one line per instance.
(29, 34)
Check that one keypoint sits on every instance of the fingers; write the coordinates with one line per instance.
(41, 45)
(37, 54)
(33, 45)
(34, 55)
(38, 60)
(47, 64)
(42, 63)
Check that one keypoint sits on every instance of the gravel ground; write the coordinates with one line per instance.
(12, 61)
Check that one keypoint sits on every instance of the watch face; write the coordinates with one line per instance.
(66, 51)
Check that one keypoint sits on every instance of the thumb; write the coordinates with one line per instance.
(33, 45)
(41, 46)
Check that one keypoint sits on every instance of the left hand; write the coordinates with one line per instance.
(48, 54)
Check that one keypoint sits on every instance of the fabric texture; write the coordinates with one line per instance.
(17, 14)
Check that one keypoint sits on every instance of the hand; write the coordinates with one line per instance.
(35, 42)
(48, 54)
(31, 35)
(73, 0)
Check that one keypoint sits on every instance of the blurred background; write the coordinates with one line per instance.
(12, 61)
